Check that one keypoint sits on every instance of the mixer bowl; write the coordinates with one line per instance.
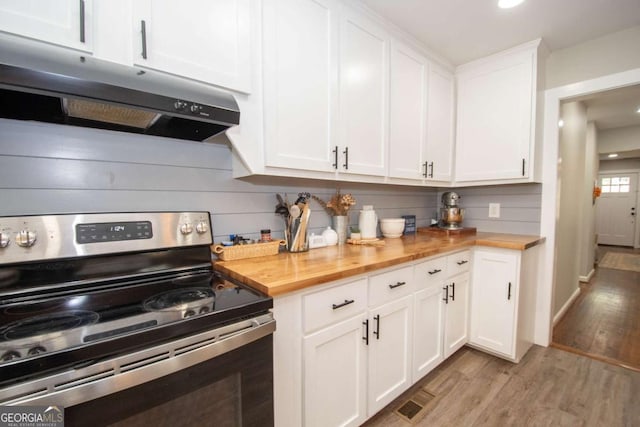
(451, 217)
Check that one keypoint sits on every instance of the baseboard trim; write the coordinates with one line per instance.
(587, 278)
(566, 306)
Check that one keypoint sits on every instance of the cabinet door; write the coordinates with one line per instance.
(407, 113)
(427, 331)
(494, 296)
(300, 83)
(456, 332)
(494, 121)
(389, 352)
(65, 22)
(334, 380)
(439, 149)
(206, 40)
(363, 91)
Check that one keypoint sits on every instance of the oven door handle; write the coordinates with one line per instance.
(80, 385)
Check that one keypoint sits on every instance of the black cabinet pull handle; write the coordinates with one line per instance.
(366, 332)
(342, 304)
(509, 292)
(143, 30)
(335, 157)
(463, 262)
(425, 174)
(446, 295)
(82, 20)
(397, 285)
(377, 331)
(346, 157)
(522, 167)
(453, 291)
(434, 271)
(431, 166)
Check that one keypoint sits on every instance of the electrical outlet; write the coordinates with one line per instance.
(494, 210)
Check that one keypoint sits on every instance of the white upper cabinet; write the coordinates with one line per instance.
(67, 23)
(363, 90)
(407, 113)
(440, 125)
(495, 137)
(205, 40)
(300, 83)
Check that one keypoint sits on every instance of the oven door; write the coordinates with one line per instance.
(222, 377)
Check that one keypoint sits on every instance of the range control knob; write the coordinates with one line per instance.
(10, 355)
(186, 228)
(26, 238)
(195, 108)
(4, 240)
(36, 350)
(180, 105)
(189, 313)
(202, 227)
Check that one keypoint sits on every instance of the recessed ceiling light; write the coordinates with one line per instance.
(638, 110)
(560, 123)
(612, 155)
(506, 4)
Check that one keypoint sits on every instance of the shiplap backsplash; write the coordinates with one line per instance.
(519, 208)
(48, 168)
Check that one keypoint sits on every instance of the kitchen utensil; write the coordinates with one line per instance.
(392, 227)
(451, 214)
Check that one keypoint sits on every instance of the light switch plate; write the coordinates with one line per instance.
(494, 210)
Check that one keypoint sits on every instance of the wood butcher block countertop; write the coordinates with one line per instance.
(289, 272)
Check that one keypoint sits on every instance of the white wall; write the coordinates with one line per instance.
(618, 165)
(619, 139)
(571, 165)
(47, 168)
(594, 58)
(588, 226)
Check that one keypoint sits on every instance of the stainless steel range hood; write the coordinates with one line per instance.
(104, 95)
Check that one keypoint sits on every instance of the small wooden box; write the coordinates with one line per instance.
(230, 253)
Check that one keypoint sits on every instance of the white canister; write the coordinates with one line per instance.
(368, 222)
(330, 236)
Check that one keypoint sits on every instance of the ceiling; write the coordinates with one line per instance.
(464, 30)
(613, 108)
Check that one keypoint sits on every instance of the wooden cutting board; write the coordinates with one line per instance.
(437, 231)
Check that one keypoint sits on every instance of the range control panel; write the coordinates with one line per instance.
(42, 237)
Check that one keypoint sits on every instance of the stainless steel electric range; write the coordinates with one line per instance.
(120, 318)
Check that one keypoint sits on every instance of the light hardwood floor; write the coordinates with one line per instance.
(549, 387)
(604, 321)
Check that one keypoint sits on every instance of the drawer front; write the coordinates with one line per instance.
(430, 273)
(458, 262)
(388, 286)
(334, 304)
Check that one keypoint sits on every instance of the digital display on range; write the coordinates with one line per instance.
(113, 231)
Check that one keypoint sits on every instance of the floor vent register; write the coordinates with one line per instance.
(413, 409)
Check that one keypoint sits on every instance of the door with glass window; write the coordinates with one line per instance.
(616, 209)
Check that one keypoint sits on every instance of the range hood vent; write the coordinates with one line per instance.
(29, 94)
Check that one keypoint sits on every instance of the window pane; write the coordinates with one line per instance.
(624, 188)
(606, 188)
(625, 180)
(615, 189)
(615, 180)
(606, 181)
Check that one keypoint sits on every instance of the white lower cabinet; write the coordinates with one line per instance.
(456, 300)
(503, 301)
(335, 362)
(427, 331)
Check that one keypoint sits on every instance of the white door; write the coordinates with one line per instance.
(616, 209)
(62, 22)
(456, 331)
(335, 366)
(389, 352)
(427, 331)
(363, 90)
(300, 84)
(493, 302)
(206, 40)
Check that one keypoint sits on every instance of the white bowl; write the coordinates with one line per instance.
(392, 227)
